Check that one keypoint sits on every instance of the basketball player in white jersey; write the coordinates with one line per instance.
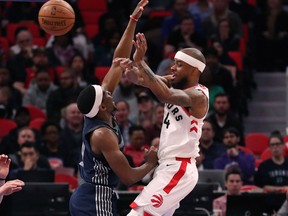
(186, 105)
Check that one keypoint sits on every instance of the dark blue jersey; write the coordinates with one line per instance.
(94, 168)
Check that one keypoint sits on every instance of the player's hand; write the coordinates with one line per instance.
(11, 187)
(137, 13)
(151, 155)
(4, 166)
(140, 45)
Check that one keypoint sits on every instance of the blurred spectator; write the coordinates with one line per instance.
(210, 149)
(71, 134)
(200, 9)
(67, 92)
(103, 53)
(137, 145)
(272, 174)
(108, 23)
(271, 32)
(6, 108)
(234, 157)
(200, 159)
(155, 129)
(221, 75)
(62, 50)
(38, 92)
(145, 109)
(125, 91)
(220, 11)
(52, 146)
(207, 79)
(24, 58)
(185, 34)
(28, 158)
(180, 8)
(9, 143)
(122, 118)
(233, 184)
(23, 40)
(223, 117)
(246, 11)
(25, 134)
(84, 75)
(229, 41)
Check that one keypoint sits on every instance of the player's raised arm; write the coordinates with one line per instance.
(123, 49)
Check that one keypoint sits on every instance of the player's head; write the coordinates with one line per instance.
(188, 62)
(89, 100)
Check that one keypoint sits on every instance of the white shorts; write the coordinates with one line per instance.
(173, 180)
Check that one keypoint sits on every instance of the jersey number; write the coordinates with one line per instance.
(166, 121)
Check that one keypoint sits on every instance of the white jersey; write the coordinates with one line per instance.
(180, 132)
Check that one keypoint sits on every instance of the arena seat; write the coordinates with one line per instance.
(6, 125)
(35, 112)
(257, 142)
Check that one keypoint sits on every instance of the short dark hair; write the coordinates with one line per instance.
(48, 123)
(232, 130)
(233, 171)
(276, 134)
(29, 145)
(135, 128)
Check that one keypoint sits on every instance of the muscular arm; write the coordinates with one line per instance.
(123, 49)
(105, 142)
(192, 98)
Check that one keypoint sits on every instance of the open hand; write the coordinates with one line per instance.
(11, 187)
(141, 47)
(137, 13)
(4, 166)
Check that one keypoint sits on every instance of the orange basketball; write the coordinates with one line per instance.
(56, 17)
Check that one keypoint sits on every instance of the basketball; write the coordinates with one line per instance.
(56, 17)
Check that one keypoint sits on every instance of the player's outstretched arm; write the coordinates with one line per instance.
(123, 49)
(107, 144)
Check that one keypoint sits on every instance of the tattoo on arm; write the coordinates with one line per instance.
(149, 73)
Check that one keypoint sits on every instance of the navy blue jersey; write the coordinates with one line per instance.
(95, 197)
(94, 168)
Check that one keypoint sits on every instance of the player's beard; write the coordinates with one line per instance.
(181, 84)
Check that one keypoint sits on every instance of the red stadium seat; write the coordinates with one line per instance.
(246, 150)
(160, 14)
(257, 142)
(35, 112)
(237, 57)
(91, 17)
(6, 125)
(39, 41)
(96, 5)
(91, 30)
(100, 72)
(37, 123)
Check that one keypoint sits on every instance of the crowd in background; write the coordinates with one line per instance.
(50, 76)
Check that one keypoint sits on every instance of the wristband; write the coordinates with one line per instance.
(133, 18)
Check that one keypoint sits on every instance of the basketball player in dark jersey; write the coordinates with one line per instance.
(102, 162)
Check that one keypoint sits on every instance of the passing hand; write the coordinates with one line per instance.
(151, 155)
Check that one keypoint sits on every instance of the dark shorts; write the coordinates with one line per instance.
(93, 200)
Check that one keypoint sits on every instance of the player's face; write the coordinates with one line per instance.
(179, 71)
(108, 101)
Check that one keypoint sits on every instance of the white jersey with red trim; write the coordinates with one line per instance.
(180, 131)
